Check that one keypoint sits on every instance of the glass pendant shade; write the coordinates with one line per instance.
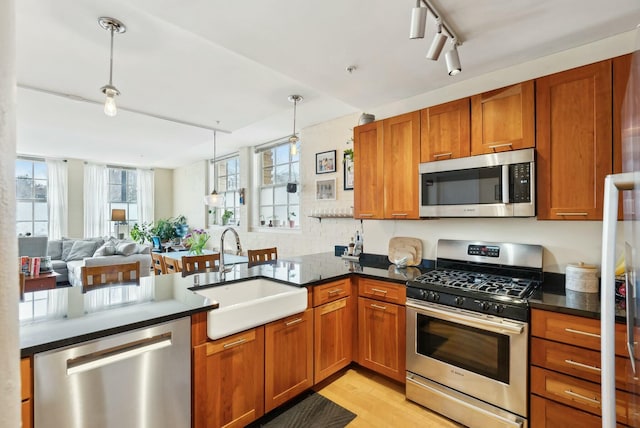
(110, 108)
(214, 199)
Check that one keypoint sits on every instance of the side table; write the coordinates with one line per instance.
(43, 281)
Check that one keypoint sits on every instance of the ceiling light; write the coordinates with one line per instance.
(293, 139)
(439, 39)
(418, 21)
(113, 26)
(453, 60)
(214, 199)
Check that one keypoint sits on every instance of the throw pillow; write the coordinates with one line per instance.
(54, 249)
(67, 244)
(126, 248)
(106, 249)
(81, 249)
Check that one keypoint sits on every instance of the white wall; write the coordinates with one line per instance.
(190, 187)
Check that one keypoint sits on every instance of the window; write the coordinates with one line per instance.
(32, 184)
(278, 167)
(123, 194)
(228, 180)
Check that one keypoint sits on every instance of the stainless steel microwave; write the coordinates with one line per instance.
(493, 185)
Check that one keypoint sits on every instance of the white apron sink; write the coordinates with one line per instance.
(247, 304)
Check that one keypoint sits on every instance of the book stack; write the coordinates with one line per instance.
(30, 266)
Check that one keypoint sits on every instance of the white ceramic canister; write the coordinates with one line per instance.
(581, 277)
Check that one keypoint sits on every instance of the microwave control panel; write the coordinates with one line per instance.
(520, 182)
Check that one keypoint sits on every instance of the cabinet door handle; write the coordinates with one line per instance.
(382, 308)
(292, 322)
(232, 344)
(441, 155)
(377, 290)
(366, 215)
(497, 146)
(593, 400)
(584, 333)
(584, 366)
(576, 214)
(399, 214)
(334, 292)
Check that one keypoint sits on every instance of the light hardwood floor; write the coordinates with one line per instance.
(378, 401)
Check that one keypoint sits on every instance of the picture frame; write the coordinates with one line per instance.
(326, 162)
(348, 172)
(326, 190)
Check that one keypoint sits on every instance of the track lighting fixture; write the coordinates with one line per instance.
(443, 32)
(453, 60)
(418, 21)
(113, 26)
(437, 43)
(293, 139)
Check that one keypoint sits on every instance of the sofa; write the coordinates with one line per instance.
(68, 256)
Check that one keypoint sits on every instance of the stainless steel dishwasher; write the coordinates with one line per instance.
(137, 379)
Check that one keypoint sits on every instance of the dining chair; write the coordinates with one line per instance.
(158, 263)
(172, 265)
(262, 255)
(99, 276)
(200, 263)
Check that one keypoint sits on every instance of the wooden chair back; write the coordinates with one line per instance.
(100, 276)
(158, 263)
(200, 263)
(21, 282)
(172, 265)
(262, 255)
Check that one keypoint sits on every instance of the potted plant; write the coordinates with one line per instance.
(196, 241)
(292, 222)
(181, 226)
(226, 215)
(164, 229)
(141, 232)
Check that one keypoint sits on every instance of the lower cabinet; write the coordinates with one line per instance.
(229, 380)
(27, 388)
(288, 358)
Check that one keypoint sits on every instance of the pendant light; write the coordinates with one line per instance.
(293, 140)
(214, 199)
(113, 26)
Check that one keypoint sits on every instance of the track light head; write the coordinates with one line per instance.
(437, 44)
(453, 60)
(418, 21)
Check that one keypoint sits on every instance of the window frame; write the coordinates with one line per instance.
(277, 217)
(231, 194)
(33, 200)
(131, 215)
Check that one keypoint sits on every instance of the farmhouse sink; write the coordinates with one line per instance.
(248, 304)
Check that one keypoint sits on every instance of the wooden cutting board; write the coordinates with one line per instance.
(401, 247)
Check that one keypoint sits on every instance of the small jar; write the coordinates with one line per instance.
(581, 277)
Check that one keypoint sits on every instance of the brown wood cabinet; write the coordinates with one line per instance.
(565, 372)
(445, 131)
(503, 119)
(386, 158)
(381, 327)
(288, 362)
(574, 142)
(333, 328)
(228, 380)
(26, 379)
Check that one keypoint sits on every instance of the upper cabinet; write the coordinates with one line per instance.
(386, 155)
(445, 131)
(574, 148)
(503, 119)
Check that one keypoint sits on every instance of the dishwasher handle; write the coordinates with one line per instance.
(107, 356)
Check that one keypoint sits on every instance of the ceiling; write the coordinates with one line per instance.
(230, 65)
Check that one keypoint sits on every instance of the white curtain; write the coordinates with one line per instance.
(96, 218)
(146, 197)
(57, 197)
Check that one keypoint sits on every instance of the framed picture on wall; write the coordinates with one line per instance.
(326, 162)
(326, 190)
(348, 172)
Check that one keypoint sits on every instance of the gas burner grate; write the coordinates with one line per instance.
(475, 281)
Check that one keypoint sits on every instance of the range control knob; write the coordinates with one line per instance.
(436, 297)
(423, 294)
(459, 300)
(484, 306)
(498, 308)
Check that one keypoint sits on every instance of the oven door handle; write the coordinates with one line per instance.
(468, 320)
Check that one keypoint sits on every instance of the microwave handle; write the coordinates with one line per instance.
(505, 184)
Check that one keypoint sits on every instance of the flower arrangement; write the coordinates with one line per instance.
(196, 240)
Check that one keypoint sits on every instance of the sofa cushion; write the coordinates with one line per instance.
(106, 249)
(54, 249)
(143, 249)
(67, 244)
(125, 248)
(81, 249)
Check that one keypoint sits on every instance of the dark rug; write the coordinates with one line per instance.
(310, 410)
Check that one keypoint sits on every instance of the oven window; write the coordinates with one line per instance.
(479, 351)
(463, 187)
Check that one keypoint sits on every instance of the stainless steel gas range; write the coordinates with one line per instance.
(467, 332)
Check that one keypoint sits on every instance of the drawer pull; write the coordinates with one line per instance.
(399, 215)
(366, 215)
(582, 397)
(497, 146)
(232, 344)
(334, 292)
(584, 333)
(377, 290)
(573, 214)
(584, 366)
(441, 155)
(292, 322)
(382, 308)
